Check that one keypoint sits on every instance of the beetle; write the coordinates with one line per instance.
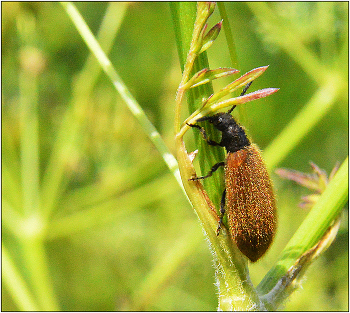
(248, 198)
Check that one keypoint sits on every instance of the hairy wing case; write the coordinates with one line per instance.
(250, 203)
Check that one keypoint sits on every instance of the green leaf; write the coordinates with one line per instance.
(210, 37)
(240, 82)
(228, 103)
(205, 76)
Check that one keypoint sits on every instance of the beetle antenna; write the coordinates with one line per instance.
(230, 110)
(242, 94)
(245, 89)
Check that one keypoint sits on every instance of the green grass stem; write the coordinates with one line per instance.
(325, 211)
(15, 283)
(129, 99)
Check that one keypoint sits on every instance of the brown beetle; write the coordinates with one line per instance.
(248, 198)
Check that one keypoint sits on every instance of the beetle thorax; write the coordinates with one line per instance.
(233, 135)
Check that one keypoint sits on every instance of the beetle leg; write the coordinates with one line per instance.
(222, 211)
(242, 94)
(205, 136)
(213, 169)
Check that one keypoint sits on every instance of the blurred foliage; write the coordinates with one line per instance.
(119, 234)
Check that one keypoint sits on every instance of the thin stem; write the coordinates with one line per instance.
(41, 280)
(308, 117)
(118, 83)
(70, 134)
(326, 210)
(16, 284)
(288, 39)
(33, 220)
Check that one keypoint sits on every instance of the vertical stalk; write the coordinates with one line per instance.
(33, 223)
(236, 291)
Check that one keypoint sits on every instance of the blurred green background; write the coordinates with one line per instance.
(92, 219)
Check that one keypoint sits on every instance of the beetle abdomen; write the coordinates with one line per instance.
(250, 202)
